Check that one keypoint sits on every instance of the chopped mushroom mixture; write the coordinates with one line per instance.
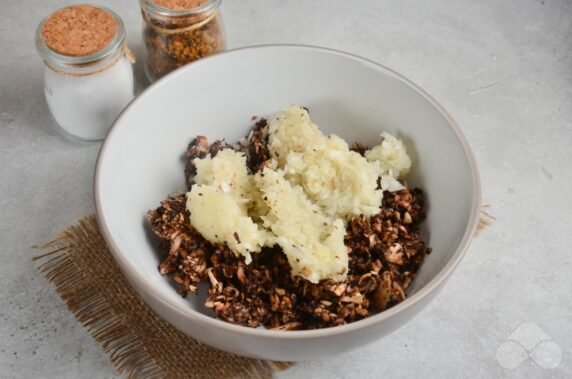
(385, 251)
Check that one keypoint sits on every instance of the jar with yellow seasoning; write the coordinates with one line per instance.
(177, 32)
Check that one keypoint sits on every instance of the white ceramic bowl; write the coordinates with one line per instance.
(140, 164)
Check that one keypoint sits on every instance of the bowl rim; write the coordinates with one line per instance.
(208, 321)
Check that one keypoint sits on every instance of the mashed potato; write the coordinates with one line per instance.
(292, 131)
(301, 200)
(312, 241)
(227, 172)
(390, 156)
(220, 218)
(340, 181)
(220, 201)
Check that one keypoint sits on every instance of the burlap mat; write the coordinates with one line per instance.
(138, 342)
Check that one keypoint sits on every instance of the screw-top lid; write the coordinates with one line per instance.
(79, 30)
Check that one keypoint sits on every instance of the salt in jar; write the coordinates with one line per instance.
(88, 76)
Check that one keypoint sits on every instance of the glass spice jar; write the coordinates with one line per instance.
(177, 32)
(88, 77)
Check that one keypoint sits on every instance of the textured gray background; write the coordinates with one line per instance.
(503, 68)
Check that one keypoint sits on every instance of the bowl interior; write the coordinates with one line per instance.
(141, 161)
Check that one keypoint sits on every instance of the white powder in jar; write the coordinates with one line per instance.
(88, 77)
(86, 106)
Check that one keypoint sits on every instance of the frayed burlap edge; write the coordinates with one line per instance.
(138, 342)
(485, 220)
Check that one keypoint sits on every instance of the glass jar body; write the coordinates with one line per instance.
(85, 106)
(175, 38)
(86, 93)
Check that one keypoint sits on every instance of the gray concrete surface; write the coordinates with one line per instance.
(503, 68)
